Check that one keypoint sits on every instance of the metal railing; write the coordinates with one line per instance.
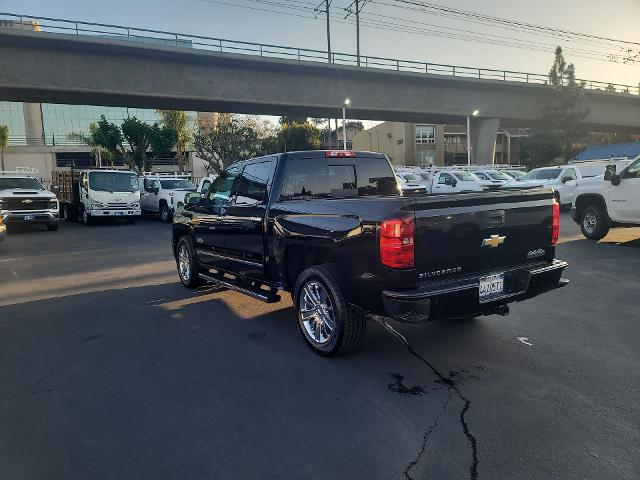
(161, 37)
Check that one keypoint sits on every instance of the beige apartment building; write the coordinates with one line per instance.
(430, 144)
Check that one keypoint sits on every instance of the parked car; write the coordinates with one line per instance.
(610, 200)
(495, 177)
(332, 228)
(90, 195)
(452, 181)
(163, 193)
(411, 184)
(516, 175)
(23, 199)
(562, 179)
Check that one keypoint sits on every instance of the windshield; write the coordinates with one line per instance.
(27, 183)
(411, 177)
(177, 184)
(543, 174)
(498, 176)
(113, 182)
(517, 174)
(466, 177)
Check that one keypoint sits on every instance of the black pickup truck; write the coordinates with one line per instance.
(332, 228)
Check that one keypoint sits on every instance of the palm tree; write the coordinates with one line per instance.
(4, 141)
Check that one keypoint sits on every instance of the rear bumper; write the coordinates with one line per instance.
(460, 297)
(115, 213)
(40, 216)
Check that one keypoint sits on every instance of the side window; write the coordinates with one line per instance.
(305, 178)
(443, 176)
(571, 172)
(148, 185)
(252, 184)
(633, 170)
(205, 187)
(220, 190)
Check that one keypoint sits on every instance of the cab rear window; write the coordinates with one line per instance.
(307, 178)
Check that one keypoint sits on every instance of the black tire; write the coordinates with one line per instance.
(190, 279)
(68, 213)
(594, 222)
(131, 220)
(165, 213)
(52, 227)
(85, 217)
(349, 323)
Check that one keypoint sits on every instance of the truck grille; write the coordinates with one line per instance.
(116, 206)
(25, 204)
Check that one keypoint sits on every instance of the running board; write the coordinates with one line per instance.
(265, 296)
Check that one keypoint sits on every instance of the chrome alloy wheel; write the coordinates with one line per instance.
(184, 263)
(589, 222)
(316, 313)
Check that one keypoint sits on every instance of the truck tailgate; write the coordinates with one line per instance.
(465, 233)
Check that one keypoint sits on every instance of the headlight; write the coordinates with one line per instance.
(135, 205)
(96, 204)
(53, 204)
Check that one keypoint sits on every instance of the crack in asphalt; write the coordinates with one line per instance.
(425, 438)
(473, 469)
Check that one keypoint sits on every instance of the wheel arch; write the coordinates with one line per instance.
(298, 258)
(585, 200)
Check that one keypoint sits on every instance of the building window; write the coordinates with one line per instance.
(425, 158)
(425, 133)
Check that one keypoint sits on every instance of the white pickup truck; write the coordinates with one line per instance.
(562, 179)
(163, 193)
(23, 199)
(609, 200)
(458, 181)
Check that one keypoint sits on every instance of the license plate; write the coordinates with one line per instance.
(29, 218)
(491, 286)
(119, 213)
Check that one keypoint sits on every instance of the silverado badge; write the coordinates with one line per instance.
(493, 241)
(28, 200)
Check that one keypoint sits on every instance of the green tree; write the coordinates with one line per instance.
(541, 148)
(180, 123)
(138, 136)
(224, 141)
(4, 141)
(298, 136)
(566, 107)
(288, 119)
(162, 141)
(100, 148)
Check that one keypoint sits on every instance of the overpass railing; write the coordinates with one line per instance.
(160, 37)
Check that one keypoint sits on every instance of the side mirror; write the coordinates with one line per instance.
(448, 181)
(565, 179)
(615, 180)
(192, 198)
(609, 172)
(155, 190)
(454, 183)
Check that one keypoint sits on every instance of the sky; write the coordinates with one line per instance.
(393, 28)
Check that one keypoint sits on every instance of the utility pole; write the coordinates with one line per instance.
(327, 4)
(357, 13)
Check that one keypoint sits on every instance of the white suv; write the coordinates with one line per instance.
(164, 193)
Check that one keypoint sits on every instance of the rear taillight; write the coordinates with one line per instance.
(339, 153)
(396, 243)
(555, 226)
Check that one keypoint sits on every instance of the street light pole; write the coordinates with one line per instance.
(358, 32)
(344, 125)
(468, 142)
(328, 31)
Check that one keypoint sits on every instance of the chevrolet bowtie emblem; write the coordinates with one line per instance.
(493, 241)
(28, 200)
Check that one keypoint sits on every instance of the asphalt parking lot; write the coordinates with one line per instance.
(110, 369)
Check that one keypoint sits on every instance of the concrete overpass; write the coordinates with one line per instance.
(61, 68)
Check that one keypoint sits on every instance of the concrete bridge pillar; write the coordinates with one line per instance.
(33, 126)
(483, 139)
